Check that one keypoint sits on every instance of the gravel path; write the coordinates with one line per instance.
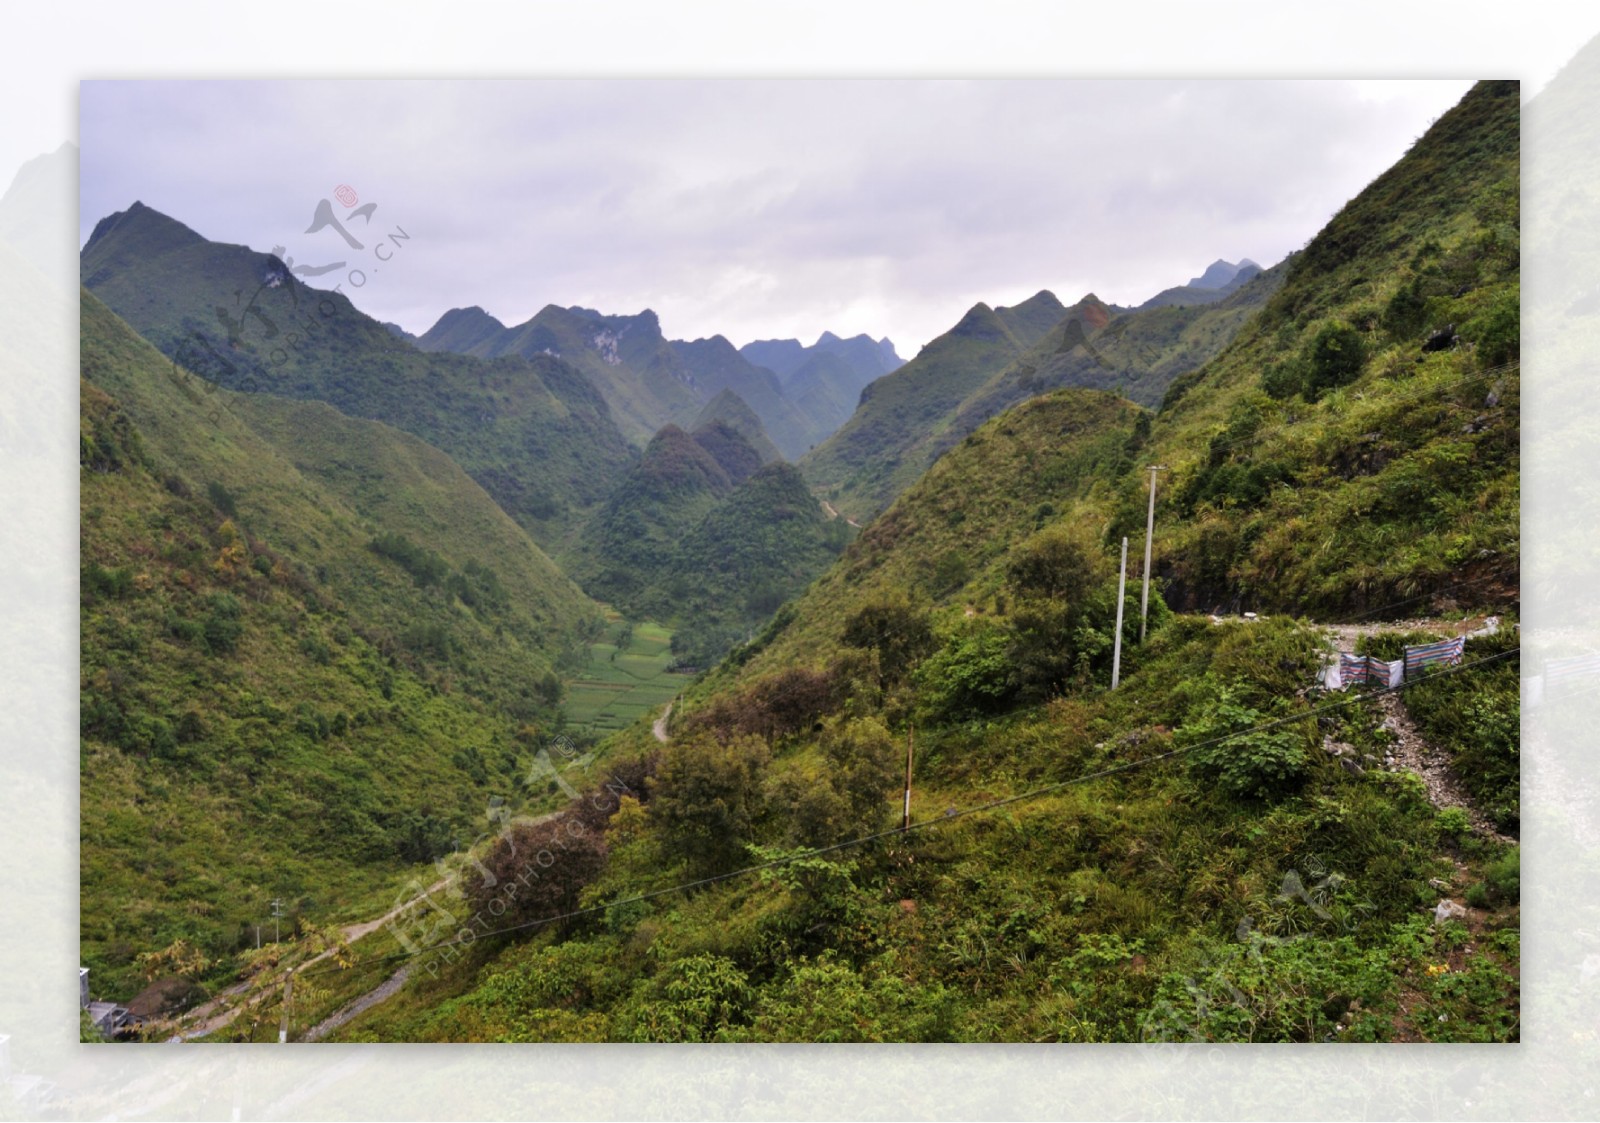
(374, 996)
(660, 727)
(1411, 751)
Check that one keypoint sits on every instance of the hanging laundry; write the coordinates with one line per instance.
(1389, 674)
(1443, 652)
(1352, 669)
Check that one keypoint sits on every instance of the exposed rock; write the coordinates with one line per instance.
(1448, 910)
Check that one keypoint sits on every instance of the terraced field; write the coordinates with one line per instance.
(626, 681)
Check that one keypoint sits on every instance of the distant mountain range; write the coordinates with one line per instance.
(995, 358)
(650, 381)
(1219, 280)
(534, 432)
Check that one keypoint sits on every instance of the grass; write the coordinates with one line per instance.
(622, 684)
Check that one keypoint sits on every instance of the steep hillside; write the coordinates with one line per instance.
(294, 683)
(1358, 442)
(460, 330)
(715, 367)
(702, 536)
(628, 541)
(1087, 865)
(533, 432)
(627, 359)
(648, 380)
(867, 357)
(1135, 352)
(730, 409)
(864, 465)
(1213, 851)
(1219, 279)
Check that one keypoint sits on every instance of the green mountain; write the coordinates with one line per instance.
(1219, 279)
(702, 535)
(731, 409)
(630, 539)
(312, 651)
(626, 358)
(1137, 354)
(863, 465)
(533, 432)
(716, 367)
(648, 380)
(825, 380)
(1212, 851)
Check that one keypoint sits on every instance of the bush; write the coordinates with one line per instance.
(535, 871)
(1242, 759)
(850, 794)
(1061, 562)
(706, 800)
(896, 630)
(1334, 358)
(1498, 330)
(972, 674)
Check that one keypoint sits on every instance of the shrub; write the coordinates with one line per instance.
(535, 871)
(1334, 357)
(1242, 759)
(896, 630)
(972, 674)
(1061, 562)
(706, 800)
(849, 796)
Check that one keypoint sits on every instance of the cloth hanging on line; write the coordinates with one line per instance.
(1429, 654)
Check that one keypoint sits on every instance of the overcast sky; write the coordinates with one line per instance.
(753, 209)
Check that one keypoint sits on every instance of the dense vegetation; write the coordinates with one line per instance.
(906, 422)
(701, 536)
(648, 380)
(297, 680)
(1213, 851)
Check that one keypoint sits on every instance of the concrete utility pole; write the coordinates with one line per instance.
(1149, 533)
(1116, 645)
(905, 818)
(277, 913)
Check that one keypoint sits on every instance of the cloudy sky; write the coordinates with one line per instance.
(754, 209)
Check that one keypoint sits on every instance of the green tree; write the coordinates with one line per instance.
(894, 628)
(707, 798)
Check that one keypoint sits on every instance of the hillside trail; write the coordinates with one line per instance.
(660, 726)
(215, 1013)
(361, 1005)
(1411, 750)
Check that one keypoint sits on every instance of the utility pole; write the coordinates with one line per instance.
(288, 992)
(277, 913)
(1149, 532)
(905, 818)
(1116, 645)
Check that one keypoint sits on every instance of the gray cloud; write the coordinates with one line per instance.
(756, 208)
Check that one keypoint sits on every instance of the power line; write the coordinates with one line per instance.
(948, 816)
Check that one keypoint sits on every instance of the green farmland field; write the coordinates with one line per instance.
(623, 684)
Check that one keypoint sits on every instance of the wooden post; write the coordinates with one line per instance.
(905, 818)
(1116, 644)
